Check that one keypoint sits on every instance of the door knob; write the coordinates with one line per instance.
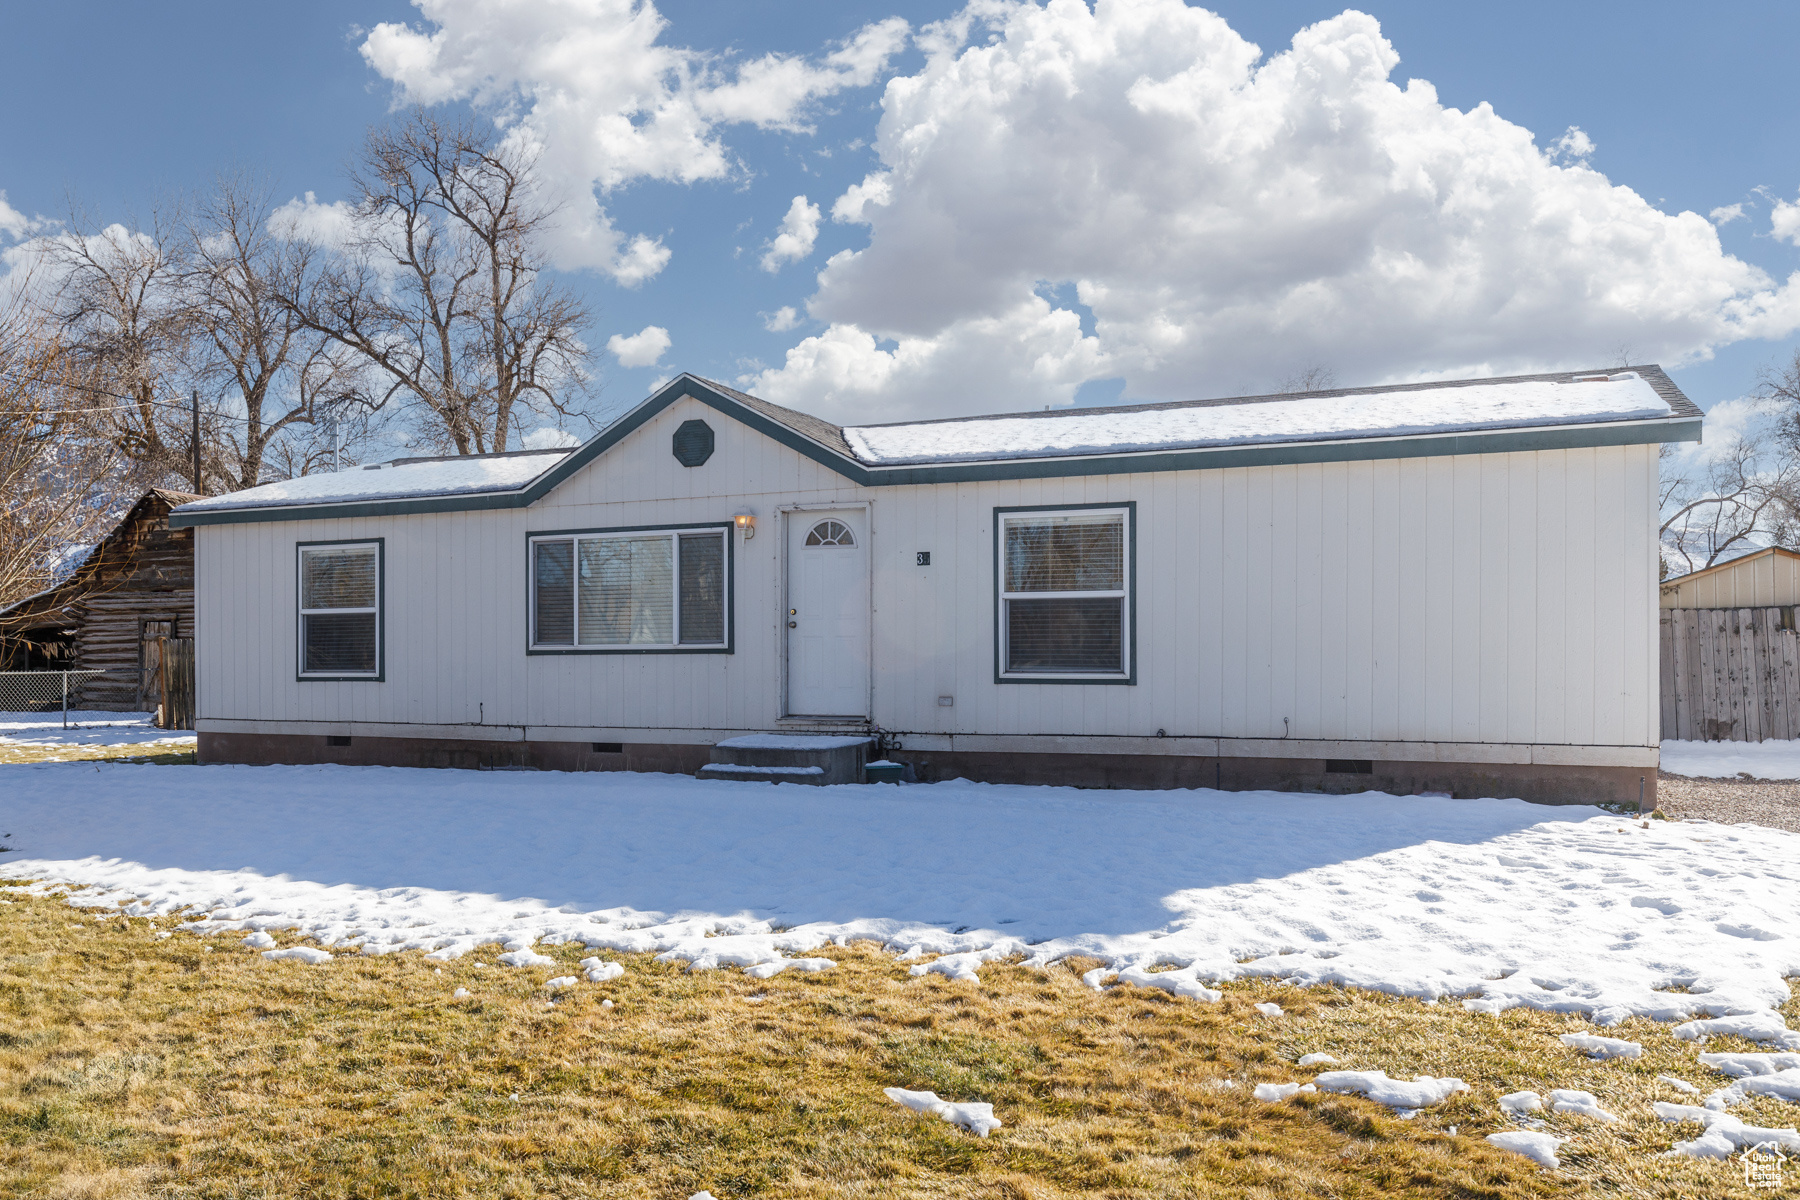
(793, 624)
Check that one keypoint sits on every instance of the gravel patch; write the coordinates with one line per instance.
(1771, 802)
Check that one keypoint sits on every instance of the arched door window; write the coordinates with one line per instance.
(830, 533)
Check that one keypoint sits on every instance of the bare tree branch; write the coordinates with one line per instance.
(125, 332)
(62, 488)
(1316, 378)
(442, 293)
(252, 344)
(1746, 495)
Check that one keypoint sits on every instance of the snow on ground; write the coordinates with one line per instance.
(86, 729)
(1519, 1103)
(1722, 1134)
(1584, 1104)
(1502, 902)
(1400, 1095)
(977, 1118)
(1753, 1027)
(1727, 760)
(1540, 1148)
(1603, 1047)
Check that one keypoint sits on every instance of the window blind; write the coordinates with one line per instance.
(626, 595)
(555, 580)
(648, 590)
(1064, 595)
(702, 589)
(1064, 635)
(339, 610)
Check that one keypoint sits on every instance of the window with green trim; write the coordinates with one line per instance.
(1064, 594)
(650, 590)
(340, 611)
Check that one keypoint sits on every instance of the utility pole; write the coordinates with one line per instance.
(198, 491)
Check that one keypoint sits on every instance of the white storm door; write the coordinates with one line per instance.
(828, 614)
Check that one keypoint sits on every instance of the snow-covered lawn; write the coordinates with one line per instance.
(1727, 760)
(1498, 902)
(86, 729)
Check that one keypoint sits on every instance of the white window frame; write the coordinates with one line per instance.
(301, 550)
(674, 534)
(1127, 672)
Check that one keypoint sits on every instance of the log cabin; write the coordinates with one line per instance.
(135, 586)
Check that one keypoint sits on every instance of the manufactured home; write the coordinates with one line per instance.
(1444, 587)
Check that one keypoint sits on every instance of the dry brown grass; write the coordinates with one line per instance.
(163, 755)
(131, 1066)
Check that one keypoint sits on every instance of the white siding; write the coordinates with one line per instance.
(1482, 600)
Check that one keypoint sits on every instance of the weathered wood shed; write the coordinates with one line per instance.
(1730, 657)
(1768, 578)
(135, 586)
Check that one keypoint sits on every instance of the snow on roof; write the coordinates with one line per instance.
(398, 480)
(1449, 409)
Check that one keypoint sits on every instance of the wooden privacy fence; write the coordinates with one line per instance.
(1730, 674)
(175, 669)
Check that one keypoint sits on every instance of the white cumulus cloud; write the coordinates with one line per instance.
(1784, 221)
(594, 91)
(1725, 214)
(641, 349)
(15, 225)
(794, 241)
(1573, 145)
(872, 190)
(781, 320)
(548, 437)
(307, 219)
(1225, 215)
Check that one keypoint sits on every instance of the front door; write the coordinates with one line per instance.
(828, 614)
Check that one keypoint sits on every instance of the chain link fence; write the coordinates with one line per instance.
(170, 684)
(46, 691)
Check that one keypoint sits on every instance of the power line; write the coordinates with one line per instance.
(131, 402)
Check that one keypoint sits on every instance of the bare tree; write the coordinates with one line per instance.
(124, 330)
(442, 288)
(1316, 378)
(1779, 386)
(60, 487)
(1744, 496)
(252, 348)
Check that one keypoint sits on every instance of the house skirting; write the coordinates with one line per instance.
(262, 749)
(1540, 782)
(1537, 782)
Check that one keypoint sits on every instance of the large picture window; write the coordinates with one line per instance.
(1065, 594)
(632, 590)
(340, 611)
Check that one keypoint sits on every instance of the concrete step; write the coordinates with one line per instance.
(789, 758)
(751, 774)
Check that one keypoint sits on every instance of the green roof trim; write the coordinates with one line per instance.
(779, 424)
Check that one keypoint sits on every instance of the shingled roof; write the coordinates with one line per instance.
(1630, 406)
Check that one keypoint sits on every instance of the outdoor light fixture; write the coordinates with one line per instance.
(746, 523)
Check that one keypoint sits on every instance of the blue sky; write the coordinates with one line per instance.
(1688, 106)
